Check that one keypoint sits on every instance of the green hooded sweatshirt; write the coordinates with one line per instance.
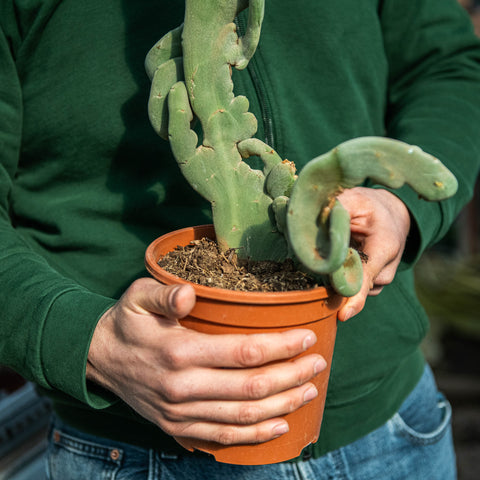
(86, 185)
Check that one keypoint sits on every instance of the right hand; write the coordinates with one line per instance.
(219, 388)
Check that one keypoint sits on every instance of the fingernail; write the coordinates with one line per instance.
(310, 394)
(173, 294)
(309, 341)
(319, 366)
(280, 429)
(173, 301)
(348, 314)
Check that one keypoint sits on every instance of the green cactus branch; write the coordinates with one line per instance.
(322, 241)
(268, 214)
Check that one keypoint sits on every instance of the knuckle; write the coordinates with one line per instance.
(258, 386)
(176, 356)
(170, 428)
(172, 414)
(227, 436)
(174, 393)
(248, 414)
(261, 435)
(250, 354)
(304, 369)
(292, 404)
(386, 276)
(135, 287)
(386, 279)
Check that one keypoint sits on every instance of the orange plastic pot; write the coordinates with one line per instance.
(220, 311)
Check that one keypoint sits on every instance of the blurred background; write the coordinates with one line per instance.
(448, 283)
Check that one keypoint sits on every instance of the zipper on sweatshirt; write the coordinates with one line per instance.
(260, 88)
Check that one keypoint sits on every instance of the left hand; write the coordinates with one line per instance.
(380, 223)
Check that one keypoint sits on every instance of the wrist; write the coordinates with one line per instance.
(98, 352)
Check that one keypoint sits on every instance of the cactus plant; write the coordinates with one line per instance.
(269, 214)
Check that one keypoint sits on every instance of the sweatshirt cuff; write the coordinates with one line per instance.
(65, 343)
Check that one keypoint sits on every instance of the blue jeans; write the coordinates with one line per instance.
(416, 443)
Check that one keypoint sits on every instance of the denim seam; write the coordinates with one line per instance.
(424, 438)
(152, 461)
(88, 449)
(338, 462)
(297, 469)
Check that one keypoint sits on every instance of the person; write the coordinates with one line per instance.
(86, 185)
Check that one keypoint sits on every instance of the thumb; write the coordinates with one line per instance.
(171, 301)
(181, 301)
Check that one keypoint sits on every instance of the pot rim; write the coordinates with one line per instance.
(294, 296)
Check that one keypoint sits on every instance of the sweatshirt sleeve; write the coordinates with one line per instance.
(433, 102)
(37, 302)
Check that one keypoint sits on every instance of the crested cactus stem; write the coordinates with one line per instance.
(205, 48)
(319, 227)
(267, 214)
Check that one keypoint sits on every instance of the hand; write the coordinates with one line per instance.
(380, 223)
(219, 388)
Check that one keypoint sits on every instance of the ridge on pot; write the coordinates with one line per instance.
(220, 311)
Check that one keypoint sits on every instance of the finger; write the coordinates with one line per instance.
(239, 384)
(386, 275)
(231, 434)
(146, 295)
(375, 291)
(355, 304)
(371, 270)
(241, 413)
(189, 348)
